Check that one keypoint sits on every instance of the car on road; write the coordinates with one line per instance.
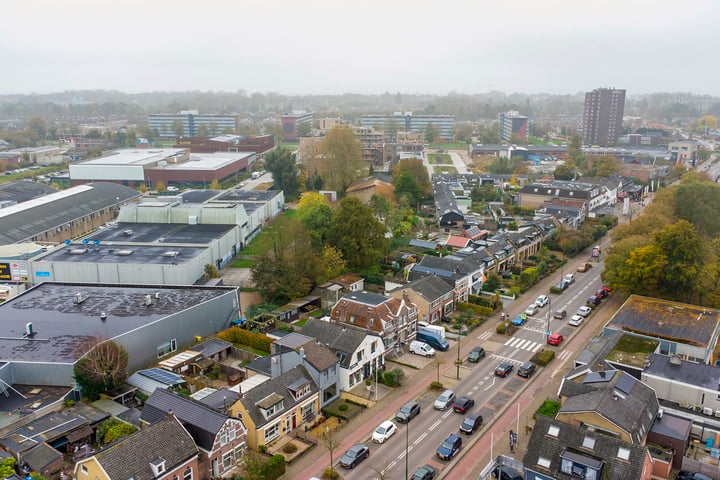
(463, 404)
(601, 293)
(450, 446)
(426, 472)
(562, 285)
(527, 369)
(606, 289)
(584, 267)
(593, 300)
(471, 423)
(575, 321)
(560, 314)
(356, 454)
(569, 278)
(421, 348)
(555, 339)
(685, 475)
(502, 472)
(504, 369)
(407, 412)
(444, 400)
(476, 354)
(542, 300)
(519, 319)
(531, 309)
(384, 431)
(584, 311)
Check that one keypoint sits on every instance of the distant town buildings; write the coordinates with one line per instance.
(602, 117)
(513, 126)
(167, 124)
(292, 124)
(408, 122)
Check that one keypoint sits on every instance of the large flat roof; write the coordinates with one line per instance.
(161, 233)
(127, 254)
(134, 156)
(62, 326)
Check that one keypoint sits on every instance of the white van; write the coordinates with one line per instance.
(437, 329)
(421, 348)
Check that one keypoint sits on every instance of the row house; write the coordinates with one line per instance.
(392, 319)
(432, 295)
(464, 270)
(360, 354)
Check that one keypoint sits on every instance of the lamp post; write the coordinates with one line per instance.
(547, 319)
(457, 362)
(407, 443)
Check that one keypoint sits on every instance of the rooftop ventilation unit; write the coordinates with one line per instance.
(171, 253)
(79, 298)
(77, 251)
(103, 315)
(127, 233)
(148, 300)
(124, 253)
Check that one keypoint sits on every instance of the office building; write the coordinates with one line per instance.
(407, 122)
(167, 124)
(296, 124)
(513, 127)
(602, 118)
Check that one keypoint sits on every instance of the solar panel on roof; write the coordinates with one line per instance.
(625, 383)
(599, 377)
(162, 376)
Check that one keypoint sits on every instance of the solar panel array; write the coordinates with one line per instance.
(162, 376)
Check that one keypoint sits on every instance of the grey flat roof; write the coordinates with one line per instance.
(159, 233)
(143, 254)
(672, 427)
(61, 325)
(689, 373)
(247, 195)
(198, 196)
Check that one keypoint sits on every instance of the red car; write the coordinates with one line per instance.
(555, 339)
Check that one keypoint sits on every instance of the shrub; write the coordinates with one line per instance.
(436, 385)
(543, 357)
(357, 404)
(275, 467)
(368, 382)
(262, 448)
(549, 408)
(393, 377)
(112, 429)
(289, 448)
(342, 407)
(556, 290)
(331, 474)
(244, 337)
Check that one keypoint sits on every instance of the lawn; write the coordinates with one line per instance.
(450, 146)
(439, 158)
(243, 263)
(445, 169)
(263, 242)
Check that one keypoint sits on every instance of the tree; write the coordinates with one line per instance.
(160, 186)
(341, 159)
(357, 234)
(431, 133)
(38, 126)
(304, 129)
(281, 163)
(215, 184)
(333, 264)
(682, 250)
(607, 165)
(406, 186)
(315, 214)
(7, 467)
(415, 168)
(103, 367)
(203, 131)
(331, 442)
(178, 128)
(564, 172)
(380, 206)
(575, 153)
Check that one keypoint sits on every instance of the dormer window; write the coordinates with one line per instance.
(158, 466)
(271, 405)
(300, 388)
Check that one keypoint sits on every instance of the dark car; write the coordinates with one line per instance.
(601, 293)
(471, 423)
(560, 314)
(502, 472)
(407, 412)
(526, 369)
(449, 447)
(683, 475)
(476, 354)
(593, 300)
(562, 285)
(504, 369)
(425, 472)
(355, 455)
(463, 404)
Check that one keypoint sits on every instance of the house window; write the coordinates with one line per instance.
(373, 347)
(223, 438)
(188, 474)
(543, 462)
(272, 432)
(239, 451)
(588, 442)
(227, 460)
(231, 434)
(83, 469)
(359, 356)
(623, 453)
(308, 410)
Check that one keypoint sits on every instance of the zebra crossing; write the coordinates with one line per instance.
(524, 344)
(485, 335)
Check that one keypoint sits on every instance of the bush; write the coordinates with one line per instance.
(436, 385)
(549, 408)
(275, 467)
(503, 328)
(556, 290)
(357, 404)
(475, 309)
(241, 336)
(289, 448)
(112, 429)
(331, 474)
(543, 357)
(342, 407)
(393, 377)
(262, 448)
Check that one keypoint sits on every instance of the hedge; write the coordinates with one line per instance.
(274, 467)
(241, 336)
(543, 357)
(475, 309)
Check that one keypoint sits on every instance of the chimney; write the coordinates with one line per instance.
(170, 413)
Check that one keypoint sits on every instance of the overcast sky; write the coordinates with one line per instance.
(370, 46)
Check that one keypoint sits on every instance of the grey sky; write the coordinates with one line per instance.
(337, 46)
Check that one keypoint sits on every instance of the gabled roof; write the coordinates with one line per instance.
(319, 356)
(276, 387)
(371, 311)
(430, 287)
(457, 241)
(569, 442)
(201, 421)
(343, 342)
(131, 457)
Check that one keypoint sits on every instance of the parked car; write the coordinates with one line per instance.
(527, 369)
(519, 319)
(560, 314)
(575, 321)
(562, 285)
(426, 472)
(601, 293)
(593, 300)
(476, 354)
(542, 300)
(471, 423)
(421, 348)
(569, 278)
(450, 446)
(356, 454)
(606, 289)
(531, 309)
(407, 412)
(584, 311)
(684, 475)
(555, 339)
(463, 404)
(502, 472)
(504, 369)
(584, 267)
(444, 400)
(384, 431)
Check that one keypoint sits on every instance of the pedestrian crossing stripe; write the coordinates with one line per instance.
(524, 344)
(485, 335)
(507, 359)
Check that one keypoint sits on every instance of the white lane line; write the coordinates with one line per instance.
(537, 348)
(434, 425)
(420, 438)
(524, 344)
(511, 342)
(447, 414)
(490, 386)
(402, 455)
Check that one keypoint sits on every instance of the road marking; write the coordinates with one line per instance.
(473, 390)
(565, 354)
(485, 335)
(390, 465)
(447, 414)
(537, 347)
(420, 438)
(402, 455)
(434, 425)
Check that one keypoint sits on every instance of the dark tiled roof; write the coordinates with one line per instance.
(131, 457)
(261, 365)
(201, 421)
(220, 400)
(211, 346)
(276, 386)
(431, 287)
(341, 341)
(319, 356)
(569, 440)
(41, 457)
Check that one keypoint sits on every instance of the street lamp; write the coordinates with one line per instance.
(547, 319)
(407, 443)
(457, 362)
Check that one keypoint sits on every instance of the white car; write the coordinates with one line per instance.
(569, 278)
(542, 300)
(531, 309)
(584, 311)
(384, 431)
(421, 348)
(575, 320)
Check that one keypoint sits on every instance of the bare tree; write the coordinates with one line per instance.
(382, 471)
(437, 361)
(331, 442)
(103, 366)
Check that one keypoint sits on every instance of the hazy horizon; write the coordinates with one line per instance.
(323, 47)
